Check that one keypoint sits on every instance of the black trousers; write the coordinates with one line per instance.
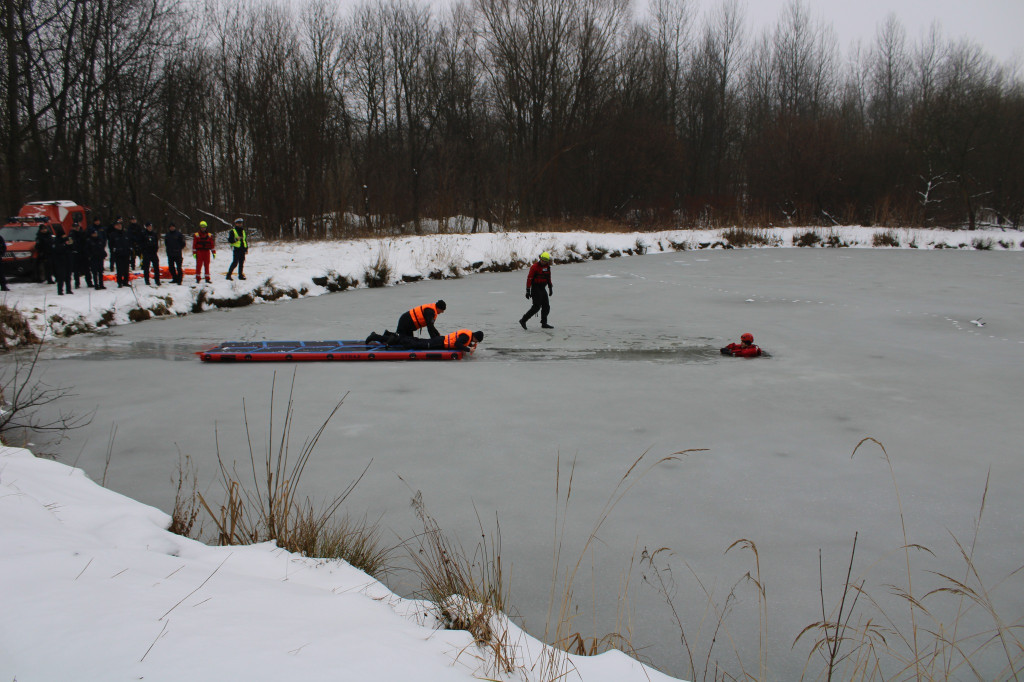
(174, 266)
(62, 267)
(82, 270)
(539, 295)
(150, 261)
(96, 268)
(121, 264)
(405, 325)
(237, 258)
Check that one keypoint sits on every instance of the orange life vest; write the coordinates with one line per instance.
(452, 339)
(419, 320)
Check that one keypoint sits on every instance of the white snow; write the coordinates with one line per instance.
(95, 588)
(292, 266)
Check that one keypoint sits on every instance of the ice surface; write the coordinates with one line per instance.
(863, 343)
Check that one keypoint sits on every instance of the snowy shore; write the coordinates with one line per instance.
(95, 588)
(276, 271)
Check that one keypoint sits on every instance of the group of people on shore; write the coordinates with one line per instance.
(82, 252)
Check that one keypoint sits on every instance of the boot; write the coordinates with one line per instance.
(522, 322)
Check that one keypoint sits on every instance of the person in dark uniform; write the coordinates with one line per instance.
(80, 256)
(96, 243)
(539, 279)
(3, 252)
(420, 317)
(150, 248)
(62, 261)
(44, 250)
(174, 245)
(239, 247)
(135, 234)
(120, 252)
(110, 231)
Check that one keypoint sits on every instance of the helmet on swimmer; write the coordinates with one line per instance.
(747, 337)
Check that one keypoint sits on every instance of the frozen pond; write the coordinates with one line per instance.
(863, 343)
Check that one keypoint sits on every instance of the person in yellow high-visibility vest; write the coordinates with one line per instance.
(239, 247)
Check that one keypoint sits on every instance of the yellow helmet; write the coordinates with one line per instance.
(202, 223)
(545, 256)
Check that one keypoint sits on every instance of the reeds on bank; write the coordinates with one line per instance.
(953, 630)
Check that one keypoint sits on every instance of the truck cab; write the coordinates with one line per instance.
(19, 232)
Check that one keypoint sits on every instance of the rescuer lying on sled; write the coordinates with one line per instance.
(462, 340)
(744, 349)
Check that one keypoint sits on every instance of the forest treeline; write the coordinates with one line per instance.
(516, 113)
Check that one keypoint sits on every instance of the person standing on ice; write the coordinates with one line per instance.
(539, 279)
(203, 246)
(420, 317)
(744, 349)
(239, 247)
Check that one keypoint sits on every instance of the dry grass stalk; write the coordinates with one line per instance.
(969, 646)
(186, 499)
(562, 607)
(714, 618)
(271, 507)
(468, 592)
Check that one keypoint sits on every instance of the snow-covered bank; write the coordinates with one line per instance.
(277, 270)
(95, 588)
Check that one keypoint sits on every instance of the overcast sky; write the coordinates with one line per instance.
(997, 25)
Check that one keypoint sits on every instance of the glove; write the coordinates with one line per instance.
(195, 255)
(551, 291)
(214, 254)
(528, 294)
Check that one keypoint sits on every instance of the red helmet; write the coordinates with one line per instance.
(747, 338)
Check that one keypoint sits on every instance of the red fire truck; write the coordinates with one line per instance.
(20, 233)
